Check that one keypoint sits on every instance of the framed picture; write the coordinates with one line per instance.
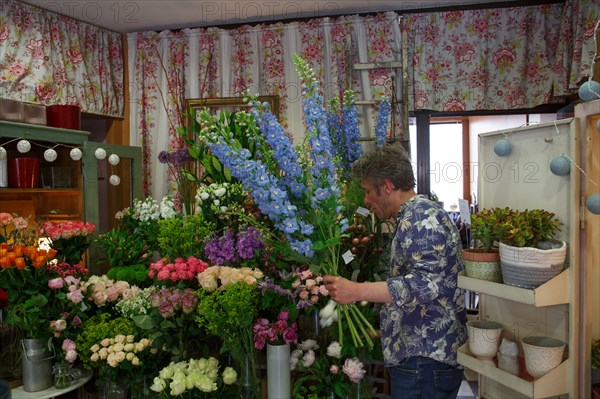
(230, 103)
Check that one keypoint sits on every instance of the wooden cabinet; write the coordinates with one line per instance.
(523, 180)
(91, 197)
(45, 203)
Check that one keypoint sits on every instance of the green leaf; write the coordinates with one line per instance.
(144, 322)
(216, 164)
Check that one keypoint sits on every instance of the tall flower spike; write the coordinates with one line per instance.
(382, 122)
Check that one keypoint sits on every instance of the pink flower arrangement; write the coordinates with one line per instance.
(57, 231)
(310, 288)
(275, 333)
(70, 239)
(180, 270)
(169, 302)
(102, 290)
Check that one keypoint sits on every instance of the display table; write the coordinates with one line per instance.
(19, 393)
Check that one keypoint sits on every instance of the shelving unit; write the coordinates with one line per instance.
(523, 180)
(45, 203)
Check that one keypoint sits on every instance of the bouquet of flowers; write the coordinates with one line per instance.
(69, 239)
(295, 188)
(278, 332)
(141, 220)
(228, 312)
(181, 271)
(167, 315)
(103, 291)
(233, 247)
(194, 378)
(332, 371)
(122, 358)
(24, 276)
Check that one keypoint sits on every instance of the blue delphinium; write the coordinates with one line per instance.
(344, 130)
(382, 122)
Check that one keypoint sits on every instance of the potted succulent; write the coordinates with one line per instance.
(530, 255)
(483, 261)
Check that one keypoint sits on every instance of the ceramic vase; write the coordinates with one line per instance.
(278, 371)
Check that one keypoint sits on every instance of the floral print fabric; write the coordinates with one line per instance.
(427, 315)
(48, 59)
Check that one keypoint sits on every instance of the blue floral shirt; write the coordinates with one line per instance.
(427, 316)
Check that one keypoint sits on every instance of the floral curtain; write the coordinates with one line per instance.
(492, 59)
(227, 63)
(50, 59)
(498, 59)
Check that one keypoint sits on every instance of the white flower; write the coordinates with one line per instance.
(220, 192)
(229, 376)
(308, 344)
(334, 350)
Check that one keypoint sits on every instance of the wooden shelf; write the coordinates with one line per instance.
(551, 384)
(553, 292)
(45, 191)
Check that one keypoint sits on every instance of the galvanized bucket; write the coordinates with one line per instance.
(36, 365)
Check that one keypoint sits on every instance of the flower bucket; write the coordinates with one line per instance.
(37, 365)
(278, 371)
(23, 172)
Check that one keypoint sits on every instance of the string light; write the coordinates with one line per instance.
(50, 155)
(100, 153)
(114, 180)
(2, 153)
(75, 154)
(23, 146)
(114, 159)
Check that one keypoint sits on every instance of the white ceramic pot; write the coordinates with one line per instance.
(542, 354)
(484, 338)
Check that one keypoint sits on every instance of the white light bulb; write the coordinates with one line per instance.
(50, 155)
(114, 159)
(75, 154)
(2, 153)
(100, 153)
(23, 146)
(114, 180)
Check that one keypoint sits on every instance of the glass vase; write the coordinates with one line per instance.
(64, 374)
(113, 390)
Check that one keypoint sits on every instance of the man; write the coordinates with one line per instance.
(423, 320)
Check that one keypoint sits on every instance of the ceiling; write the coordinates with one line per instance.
(143, 15)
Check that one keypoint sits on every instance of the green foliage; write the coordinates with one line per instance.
(30, 316)
(229, 314)
(124, 247)
(528, 228)
(97, 328)
(240, 125)
(134, 274)
(486, 227)
(596, 354)
(309, 392)
(183, 237)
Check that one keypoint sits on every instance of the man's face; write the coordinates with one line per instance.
(377, 199)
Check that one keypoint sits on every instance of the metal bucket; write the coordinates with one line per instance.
(36, 365)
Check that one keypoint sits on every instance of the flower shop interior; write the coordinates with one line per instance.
(175, 181)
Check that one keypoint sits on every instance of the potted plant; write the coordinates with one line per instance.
(530, 254)
(483, 261)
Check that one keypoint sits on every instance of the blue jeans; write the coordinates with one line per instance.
(424, 378)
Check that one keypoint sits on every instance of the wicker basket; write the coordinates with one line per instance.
(530, 267)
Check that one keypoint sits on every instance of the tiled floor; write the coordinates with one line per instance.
(468, 389)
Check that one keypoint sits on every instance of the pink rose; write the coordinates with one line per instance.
(56, 283)
(68, 345)
(71, 356)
